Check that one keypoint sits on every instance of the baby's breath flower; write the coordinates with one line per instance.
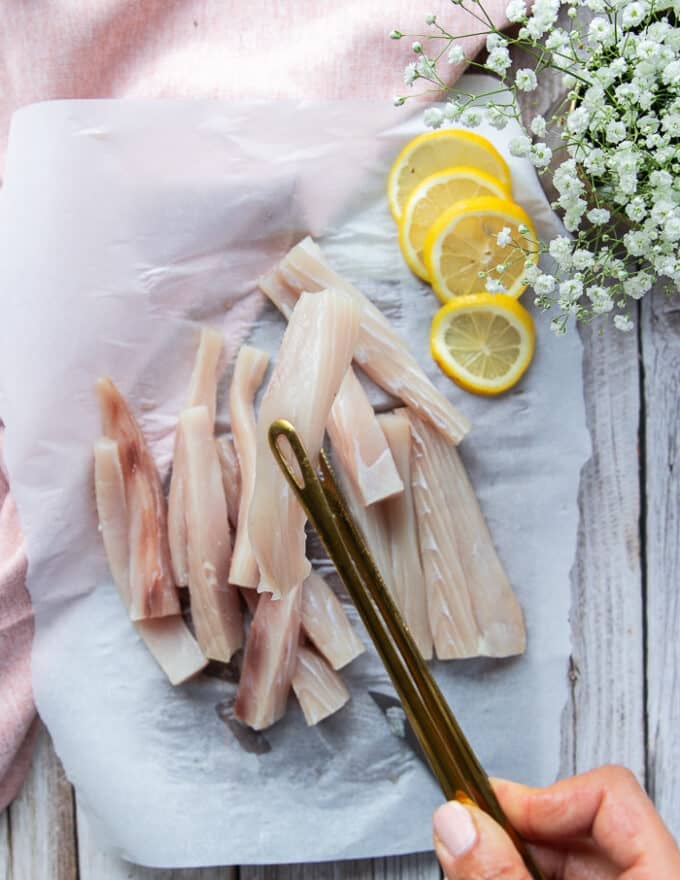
(497, 117)
(494, 286)
(504, 237)
(583, 259)
(671, 229)
(531, 272)
(398, 100)
(410, 74)
(426, 68)
(540, 155)
(539, 126)
(600, 32)
(495, 41)
(433, 117)
(617, 168)
(520, 145)
(471, 117)
(598, 216)
(516, 10)
(636, 209)
(633, 14)
(526, 80)
(616, 131)
(452, 110)
(637, 285)
(623, 323)
(544, 285)
(498, 61)
(456, 54)
(600, 298)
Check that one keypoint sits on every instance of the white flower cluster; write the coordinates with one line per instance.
(618, 182)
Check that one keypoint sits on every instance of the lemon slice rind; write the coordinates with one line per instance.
(464, 148)
(463, 323)
(486, 184)
(447, 231)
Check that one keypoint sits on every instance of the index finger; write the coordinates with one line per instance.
(606, 804)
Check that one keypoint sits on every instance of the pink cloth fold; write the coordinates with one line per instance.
(180, 48)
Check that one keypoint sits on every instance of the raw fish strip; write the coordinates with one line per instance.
(395, 563)
(319, 690)
(202, 392)
(269, 660)
(360, 444)
(215, 605)
(354, 431)
(231, 475)
(206, 372)
(326, 624)
(251, 365)
(109, 486)
(315, 353)
(152, 588)
(167, 638)
(381, 351)
(472, 607)
(408, 580)
(278, 292)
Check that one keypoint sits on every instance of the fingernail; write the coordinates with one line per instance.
(454, 827)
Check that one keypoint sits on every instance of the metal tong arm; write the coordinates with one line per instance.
(453, 762)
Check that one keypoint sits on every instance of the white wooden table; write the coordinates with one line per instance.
(624, 703)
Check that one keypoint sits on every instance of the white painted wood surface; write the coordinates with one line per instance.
(661, 448)
(624, 576)
(42, 841)
(605, 721)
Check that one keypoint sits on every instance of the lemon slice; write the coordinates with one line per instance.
(431, 198)
(483, 341)
(463, 242)
(435, 151)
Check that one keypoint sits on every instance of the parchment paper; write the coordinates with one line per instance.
(123, 226)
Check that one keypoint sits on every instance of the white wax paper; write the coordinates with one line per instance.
(123, 226)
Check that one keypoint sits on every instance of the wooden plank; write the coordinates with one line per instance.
(41, 821)
(605, 721)
(5, 850)
(95, 864)
(421, 866)
(661, 391)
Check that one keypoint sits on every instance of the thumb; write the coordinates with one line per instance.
(471, 846)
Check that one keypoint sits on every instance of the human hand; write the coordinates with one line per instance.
(596, 826)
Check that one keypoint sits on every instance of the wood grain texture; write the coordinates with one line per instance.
(41, 821)
(422, 866)
(5, 850)
(95, 864)
(661, 391)
(605, 721)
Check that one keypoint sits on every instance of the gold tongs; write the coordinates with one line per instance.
(450, 756)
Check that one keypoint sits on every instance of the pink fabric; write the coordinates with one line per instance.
(181, 48)
(17, 713)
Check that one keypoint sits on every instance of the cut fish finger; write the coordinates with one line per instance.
(326, 624)
(315, 353)
(215, 605)
(319, 690)
(168, 639)
(251, 365)
(152, 587)
(381, 351)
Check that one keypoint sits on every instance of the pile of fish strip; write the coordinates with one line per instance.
(232, 533)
